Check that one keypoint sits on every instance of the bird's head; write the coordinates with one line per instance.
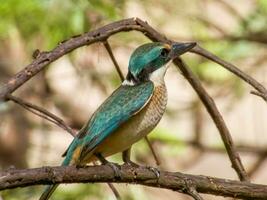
(149, 61)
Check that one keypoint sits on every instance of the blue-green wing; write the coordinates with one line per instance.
(118, 108)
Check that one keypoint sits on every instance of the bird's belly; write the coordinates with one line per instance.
(138, 126)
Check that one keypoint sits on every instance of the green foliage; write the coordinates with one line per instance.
(107, 9)
(48, 22)
(256, 21)
(23, 193)
(79, 191)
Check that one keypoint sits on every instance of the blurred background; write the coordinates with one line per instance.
(186, 139)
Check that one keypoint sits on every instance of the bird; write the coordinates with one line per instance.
(131, 112)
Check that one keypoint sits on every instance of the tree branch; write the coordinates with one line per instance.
(216, 117)
(230, 67)
(41, 112)
(44, 58)
(176, 181)
(115, 63)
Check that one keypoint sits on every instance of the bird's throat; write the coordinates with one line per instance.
(157, 77)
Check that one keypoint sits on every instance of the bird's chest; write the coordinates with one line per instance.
(150, 115)
(139, 125)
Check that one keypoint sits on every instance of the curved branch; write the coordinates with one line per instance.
(43, 113)
(142, 175)
(44, 58)
(230, 67)
(216, 117)
(102, 34)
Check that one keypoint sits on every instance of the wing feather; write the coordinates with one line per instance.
(125, 102)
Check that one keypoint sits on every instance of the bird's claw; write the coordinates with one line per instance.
(116, 169)
(154, 170)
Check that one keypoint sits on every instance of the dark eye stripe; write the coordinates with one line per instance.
(164, 52)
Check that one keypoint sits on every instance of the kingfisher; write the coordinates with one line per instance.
(131, 112)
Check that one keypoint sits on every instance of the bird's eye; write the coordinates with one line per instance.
(164, 52)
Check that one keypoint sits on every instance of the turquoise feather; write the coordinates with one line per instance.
(145, 56)
(117, 109)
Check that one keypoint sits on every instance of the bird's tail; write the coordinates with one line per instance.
(48, 192)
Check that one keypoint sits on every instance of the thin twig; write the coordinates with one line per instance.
(109, 50)
(190, 189)
(41, 112)
(111, 186)
(193, 193)
(115, 191)
(230, 67)
(46, 57)
(216, 117)
(259, 94)
(256, 166)
(155, 155)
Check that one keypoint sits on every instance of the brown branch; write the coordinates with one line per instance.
(154, 153)
(259, 94)
(216, 117)
(256, 166)
(230, 67)
(102, 34)
(110, 53)
(155, 36)
(193, 193)
(169, 180)
(115, 191)
(45, 58)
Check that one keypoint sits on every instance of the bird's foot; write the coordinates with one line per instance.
(114, 166)
(116, 169)
(154, 170)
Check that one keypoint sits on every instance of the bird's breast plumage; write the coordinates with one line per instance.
(138, 126)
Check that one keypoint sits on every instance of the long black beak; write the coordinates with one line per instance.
(178, 49)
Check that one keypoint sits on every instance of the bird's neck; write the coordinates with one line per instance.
(157, 77)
